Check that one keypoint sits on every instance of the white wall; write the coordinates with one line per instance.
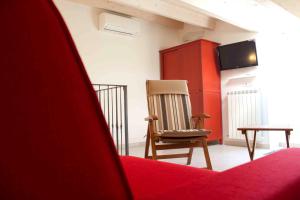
(277, 75)
(116, 59)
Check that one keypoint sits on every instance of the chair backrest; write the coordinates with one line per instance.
(54, 141)
(169, 101)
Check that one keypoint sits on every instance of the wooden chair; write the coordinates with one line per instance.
(170, 122)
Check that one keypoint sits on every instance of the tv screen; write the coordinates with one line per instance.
(237, 55)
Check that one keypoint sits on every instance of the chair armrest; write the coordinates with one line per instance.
(199, 120)
(151, 118)
(199, 116)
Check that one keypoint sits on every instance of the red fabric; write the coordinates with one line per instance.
(54, 141)
(150, 178)
(273, 177)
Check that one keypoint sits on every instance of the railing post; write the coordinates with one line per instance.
(126, 121)
(109, 104)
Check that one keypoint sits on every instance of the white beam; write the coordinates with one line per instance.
(292, 6)
(116, 7)
(170, 10)
(251, 15)
(242, 13)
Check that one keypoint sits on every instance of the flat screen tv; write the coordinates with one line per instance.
(237, 55)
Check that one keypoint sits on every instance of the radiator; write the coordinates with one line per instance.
(244, 109)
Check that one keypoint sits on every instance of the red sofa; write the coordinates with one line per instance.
(55, 143)
(275, 176)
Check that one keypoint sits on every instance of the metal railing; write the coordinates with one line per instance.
(113, 101)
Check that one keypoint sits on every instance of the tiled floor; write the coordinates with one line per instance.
(222, 156)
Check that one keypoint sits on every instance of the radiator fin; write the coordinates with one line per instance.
(244, 109)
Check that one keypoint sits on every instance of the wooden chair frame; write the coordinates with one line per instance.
(154, 138)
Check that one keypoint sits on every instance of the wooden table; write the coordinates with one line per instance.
(263, 128)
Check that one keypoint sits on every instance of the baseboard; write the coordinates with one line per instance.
(137, 144)
(242, 143)
(283, 144)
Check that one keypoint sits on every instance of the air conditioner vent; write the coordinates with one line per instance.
(118, 24)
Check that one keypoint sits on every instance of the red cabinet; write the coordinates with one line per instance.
(196, 62)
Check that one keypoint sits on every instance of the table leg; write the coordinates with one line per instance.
(247, 142)
(251, 150)
(253, 146)
(287, 137)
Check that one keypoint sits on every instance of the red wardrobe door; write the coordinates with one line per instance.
(196, 63)
(212, 106)
(191, 65)
(171, 65)
(196, 102)
(211, 73)
(183, 63)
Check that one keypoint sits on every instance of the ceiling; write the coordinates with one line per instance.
(160, 11)
(292, 6)
(250, 15)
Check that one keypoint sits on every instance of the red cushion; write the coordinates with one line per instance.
(150, 179)
(273, 177)
(54, 140)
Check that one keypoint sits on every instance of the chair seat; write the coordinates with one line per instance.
(182, 140)
(188, 133)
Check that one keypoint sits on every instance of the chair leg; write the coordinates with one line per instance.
(206, 154)
(147, 144)
(190, 156)
(153, 147)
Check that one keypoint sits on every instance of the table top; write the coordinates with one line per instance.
(265, 128)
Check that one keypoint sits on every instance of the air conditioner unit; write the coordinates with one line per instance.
(118, 24)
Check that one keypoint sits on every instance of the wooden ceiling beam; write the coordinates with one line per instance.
(107, 5)
(160, 11)
(170, 10)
